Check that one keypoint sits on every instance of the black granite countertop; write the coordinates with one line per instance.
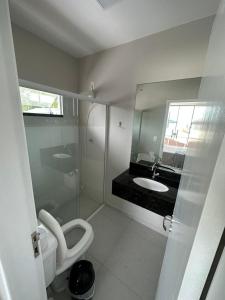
(161, 203)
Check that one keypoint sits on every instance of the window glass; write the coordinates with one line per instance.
(40, 102)
(178, 128)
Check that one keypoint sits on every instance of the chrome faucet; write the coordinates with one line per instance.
(154, 166)
(68, 149)
(154, 170)
(154, 175)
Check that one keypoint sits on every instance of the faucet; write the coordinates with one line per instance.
(154, 175)
(154, 169)
(67, 149)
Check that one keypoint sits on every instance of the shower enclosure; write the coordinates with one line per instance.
(67, 158)
(92, 128)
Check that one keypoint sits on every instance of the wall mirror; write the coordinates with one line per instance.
(164, 114)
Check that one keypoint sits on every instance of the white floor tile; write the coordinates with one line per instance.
(65, 295)
(115, 216)
(108, 287)
(107, 233)
(94, 261)
(134, 255)
(137, 262)
(127, 257)
(147, 233)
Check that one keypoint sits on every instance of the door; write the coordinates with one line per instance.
(92, 127)
(206, 135)
(21, 275)
(217, 290)
(214, 284)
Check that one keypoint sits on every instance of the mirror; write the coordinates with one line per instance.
(163, 117)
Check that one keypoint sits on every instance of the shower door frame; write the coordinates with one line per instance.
(76, 97)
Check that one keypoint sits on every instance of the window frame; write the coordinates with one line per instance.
(185, 102)
(61, 115)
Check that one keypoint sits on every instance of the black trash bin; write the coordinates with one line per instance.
(82, 280)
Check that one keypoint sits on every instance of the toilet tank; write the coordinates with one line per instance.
(48, 245)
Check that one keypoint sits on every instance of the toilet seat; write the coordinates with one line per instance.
(66, 257)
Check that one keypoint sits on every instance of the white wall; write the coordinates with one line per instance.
(155, 94)
(173, 54)
(136, 134)
(152, 126)
(42, 63)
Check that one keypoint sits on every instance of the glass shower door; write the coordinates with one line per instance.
(92, 125)
(53, 147)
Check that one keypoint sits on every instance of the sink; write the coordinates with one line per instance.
(61, 155)
(150, 184)
(62, 162)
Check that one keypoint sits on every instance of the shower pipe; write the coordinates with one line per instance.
(46, 88)
(90, 109)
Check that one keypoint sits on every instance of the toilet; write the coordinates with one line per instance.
(48, 245)
(57, 257)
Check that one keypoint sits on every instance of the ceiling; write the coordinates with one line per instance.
(83, 27)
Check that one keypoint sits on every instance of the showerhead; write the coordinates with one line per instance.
(91, 92)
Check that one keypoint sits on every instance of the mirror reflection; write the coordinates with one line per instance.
(163, 118)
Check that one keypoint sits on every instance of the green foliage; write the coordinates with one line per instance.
(54, 104)
(26, 107)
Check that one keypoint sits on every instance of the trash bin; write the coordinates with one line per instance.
(82, 280)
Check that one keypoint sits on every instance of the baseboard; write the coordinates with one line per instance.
(137, 213)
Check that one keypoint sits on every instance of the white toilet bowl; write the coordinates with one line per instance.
(59, 257)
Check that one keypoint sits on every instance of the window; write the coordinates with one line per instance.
(182, 129)
(35, 102)
(178, 128)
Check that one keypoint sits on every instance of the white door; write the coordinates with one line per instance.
(217, 290)
(206, 135)
(21, 275)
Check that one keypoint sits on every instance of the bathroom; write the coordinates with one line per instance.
(113, 125)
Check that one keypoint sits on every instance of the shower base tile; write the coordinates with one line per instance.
(87, 206)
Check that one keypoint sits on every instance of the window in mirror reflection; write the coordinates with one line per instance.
(178, 129)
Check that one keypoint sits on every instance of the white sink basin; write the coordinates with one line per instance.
(61, 155)
(151, 184)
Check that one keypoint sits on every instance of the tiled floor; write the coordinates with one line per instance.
(127, 257)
